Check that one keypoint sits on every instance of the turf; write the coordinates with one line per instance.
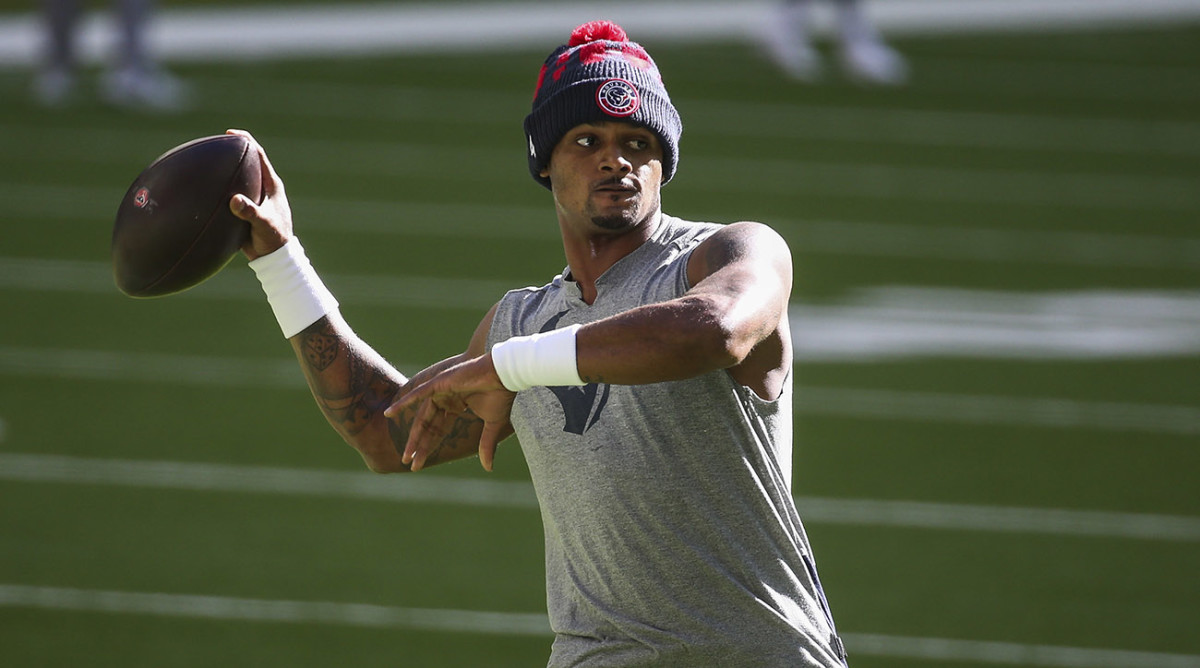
(412, 167)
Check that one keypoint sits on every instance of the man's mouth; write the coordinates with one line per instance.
(617, 186)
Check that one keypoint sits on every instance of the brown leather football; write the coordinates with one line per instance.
(174, 228)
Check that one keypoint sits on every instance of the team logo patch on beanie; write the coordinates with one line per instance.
(618, 97)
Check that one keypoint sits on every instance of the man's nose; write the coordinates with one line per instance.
(613, 160)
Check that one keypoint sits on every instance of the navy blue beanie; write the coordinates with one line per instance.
(599, 75)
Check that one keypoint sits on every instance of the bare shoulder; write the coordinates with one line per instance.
(744, 242)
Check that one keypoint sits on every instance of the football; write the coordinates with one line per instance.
(174, 229)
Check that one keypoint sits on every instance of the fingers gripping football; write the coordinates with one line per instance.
(271, 220)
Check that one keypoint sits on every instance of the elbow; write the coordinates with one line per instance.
(380, 457)
(729, 339)
(731, 349)
(717, 348)
(381, 467)
(736, 325)
(386, 466)
(722, 342)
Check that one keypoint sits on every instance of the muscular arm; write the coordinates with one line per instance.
(734, 317)
(352, 385)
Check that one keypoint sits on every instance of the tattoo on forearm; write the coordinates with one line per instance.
(365, 402)
(365, 392)
(353, 391)
(320, 345)
(457, 438)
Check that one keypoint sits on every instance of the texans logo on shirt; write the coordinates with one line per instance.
(581, 405)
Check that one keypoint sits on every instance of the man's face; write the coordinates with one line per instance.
(606, 176)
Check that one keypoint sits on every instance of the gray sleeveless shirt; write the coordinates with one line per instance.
(671, 535)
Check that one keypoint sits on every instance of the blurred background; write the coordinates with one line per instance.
(996, 314)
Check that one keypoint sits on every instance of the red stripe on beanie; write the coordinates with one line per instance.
(540, 81)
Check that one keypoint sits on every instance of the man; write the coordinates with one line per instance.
(864, 55)
(134, 80)
(650, 386)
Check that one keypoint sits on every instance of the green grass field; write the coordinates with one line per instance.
(967, 509)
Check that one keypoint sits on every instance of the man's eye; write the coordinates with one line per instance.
(639, 144)
(586, 140)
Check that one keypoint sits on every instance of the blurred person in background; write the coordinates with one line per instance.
(864, 55)
(133, 79)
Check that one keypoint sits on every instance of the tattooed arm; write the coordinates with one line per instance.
(352, 384)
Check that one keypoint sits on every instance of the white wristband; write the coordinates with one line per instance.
(548, 359)
(295, 292)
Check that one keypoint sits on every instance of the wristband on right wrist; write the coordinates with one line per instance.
(546, 359)
(296, 294)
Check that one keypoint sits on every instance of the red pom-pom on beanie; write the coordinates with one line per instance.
(597, 30)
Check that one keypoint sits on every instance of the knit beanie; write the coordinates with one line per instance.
(599, 75)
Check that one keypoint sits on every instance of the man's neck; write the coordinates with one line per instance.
(591, 255)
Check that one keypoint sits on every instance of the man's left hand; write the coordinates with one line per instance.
(469, 386)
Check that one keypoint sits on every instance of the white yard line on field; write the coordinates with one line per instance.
(864, 326)
(1009, 653)
(160, 604)
(496, 494)
(917, 127)
(272, 610)
(393, 103)
(356, 29)
(847, 402)
(1045, 412)
(905, 322)
(229, 478)
(61, 203)
(991, 186)
(850, 402)
(743, 176)
(90, 277)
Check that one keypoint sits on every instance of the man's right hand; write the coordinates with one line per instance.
(271, 220)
